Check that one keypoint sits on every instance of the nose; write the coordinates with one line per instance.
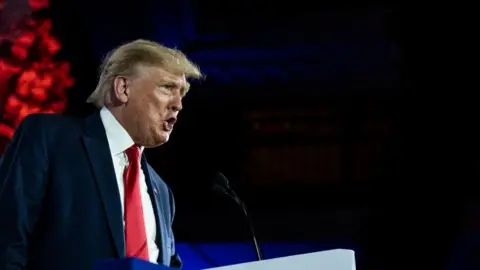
(176, 104)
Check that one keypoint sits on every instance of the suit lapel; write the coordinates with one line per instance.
(98, 152)
(153, 192)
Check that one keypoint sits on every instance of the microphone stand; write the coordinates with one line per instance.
(258, 250)
(230, 193)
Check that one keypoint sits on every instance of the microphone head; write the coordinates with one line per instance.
(220, 183)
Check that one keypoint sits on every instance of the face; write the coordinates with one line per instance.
(149, 104)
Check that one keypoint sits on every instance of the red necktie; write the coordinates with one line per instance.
(135, 234)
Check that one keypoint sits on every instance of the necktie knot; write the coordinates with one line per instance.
(133, 153)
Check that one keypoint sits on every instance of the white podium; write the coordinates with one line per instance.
(337, 259)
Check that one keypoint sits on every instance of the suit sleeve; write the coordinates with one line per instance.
(23, 177)
(175, 261)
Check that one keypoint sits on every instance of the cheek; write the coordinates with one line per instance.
(155, 109)
(160, 103)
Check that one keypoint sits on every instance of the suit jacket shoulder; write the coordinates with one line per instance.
(52, 127)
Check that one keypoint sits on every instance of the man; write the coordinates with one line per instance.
(76, 191)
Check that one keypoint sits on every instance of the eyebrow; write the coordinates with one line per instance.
(183, 89)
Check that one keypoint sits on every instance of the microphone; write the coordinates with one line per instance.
(222, 186)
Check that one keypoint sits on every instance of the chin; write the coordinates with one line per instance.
(160, 139)
(164, 137)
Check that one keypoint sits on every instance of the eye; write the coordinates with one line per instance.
(167, 86)
(171, 89)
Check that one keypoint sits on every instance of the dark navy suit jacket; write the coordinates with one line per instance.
(59, 199)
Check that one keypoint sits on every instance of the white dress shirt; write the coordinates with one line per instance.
(119, 141)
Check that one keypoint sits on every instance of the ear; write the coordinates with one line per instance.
(121, 89)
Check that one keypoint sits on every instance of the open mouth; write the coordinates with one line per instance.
(169, 123)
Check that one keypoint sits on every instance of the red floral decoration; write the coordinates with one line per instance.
(31, 81)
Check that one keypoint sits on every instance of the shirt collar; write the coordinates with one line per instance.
(118, 138)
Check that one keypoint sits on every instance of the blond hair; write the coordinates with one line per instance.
(123, 61)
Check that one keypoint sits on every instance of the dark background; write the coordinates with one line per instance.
(335, 122)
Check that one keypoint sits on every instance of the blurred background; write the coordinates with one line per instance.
(340, 125)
